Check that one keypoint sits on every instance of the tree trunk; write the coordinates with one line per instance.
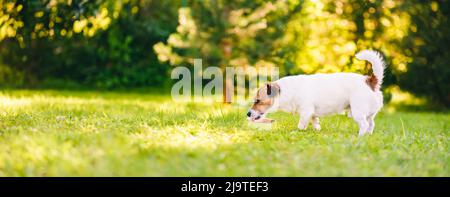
(228, 91)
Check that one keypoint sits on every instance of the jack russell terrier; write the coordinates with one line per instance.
(313, 96)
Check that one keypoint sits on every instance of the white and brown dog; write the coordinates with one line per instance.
(313, 96)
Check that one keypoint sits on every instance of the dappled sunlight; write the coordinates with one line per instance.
(188, 137)
(399, 96)
(98, 134)
(328, 36)
(320, 36)
(97, 131)
(8, 103)
(100, 74)
(40, 152)
(402, 98)
(87, 25)
(180, 124)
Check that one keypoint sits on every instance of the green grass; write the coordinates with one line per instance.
(66, 133)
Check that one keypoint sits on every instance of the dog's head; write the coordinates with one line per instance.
(264, 100)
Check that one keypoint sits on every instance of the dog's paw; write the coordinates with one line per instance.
(302, 127)
(361, 134)
(317, 127)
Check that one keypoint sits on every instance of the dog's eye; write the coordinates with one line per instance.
(257, 101)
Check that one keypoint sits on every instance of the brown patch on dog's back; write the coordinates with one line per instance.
(372, 81)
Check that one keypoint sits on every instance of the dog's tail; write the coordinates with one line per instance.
(375, 58)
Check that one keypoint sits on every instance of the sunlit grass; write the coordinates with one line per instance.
(67, 133)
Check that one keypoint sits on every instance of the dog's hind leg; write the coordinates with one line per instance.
(316, 123)
(362, 123)
(371, 120)
(360, 109)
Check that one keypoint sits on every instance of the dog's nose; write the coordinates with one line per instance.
(249, 114)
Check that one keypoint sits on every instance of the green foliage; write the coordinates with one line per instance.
(228, 33)
(104, 44)
(110, 44)
(428, 42)
(131, 134)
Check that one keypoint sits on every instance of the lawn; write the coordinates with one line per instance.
(88, 133)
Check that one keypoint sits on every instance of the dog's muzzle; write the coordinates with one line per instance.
(254, 115)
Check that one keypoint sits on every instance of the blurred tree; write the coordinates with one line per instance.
(327, 34)
(107, 43)
(428, 42)
(98, 43)
(228, 33)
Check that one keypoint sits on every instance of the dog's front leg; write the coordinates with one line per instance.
(316, 123)
(305, 117)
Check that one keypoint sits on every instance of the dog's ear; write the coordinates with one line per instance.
(273, 89)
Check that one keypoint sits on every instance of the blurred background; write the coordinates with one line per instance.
(116, 44)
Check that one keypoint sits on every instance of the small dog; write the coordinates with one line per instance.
(313, 96)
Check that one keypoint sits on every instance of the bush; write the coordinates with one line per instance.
(428, 43)
(101, 44)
